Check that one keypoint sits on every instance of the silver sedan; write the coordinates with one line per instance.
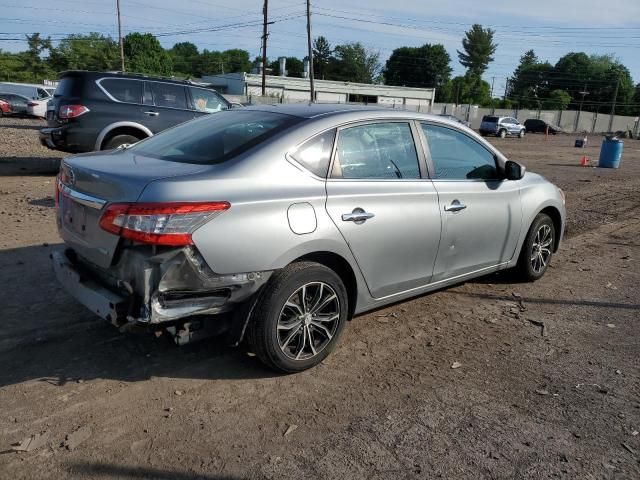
(280, 223)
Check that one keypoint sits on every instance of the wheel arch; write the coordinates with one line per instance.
(556, 218)
(342, 268)
(121, 128)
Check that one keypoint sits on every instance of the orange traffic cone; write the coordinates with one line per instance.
(584, 161)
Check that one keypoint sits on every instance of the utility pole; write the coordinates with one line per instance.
(120, 37)
(583, 93)
(309, 46)
(506, 87)
(613, 105)
(264, 48)
(493, 79)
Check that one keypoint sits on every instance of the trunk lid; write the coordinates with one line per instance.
(90, 181)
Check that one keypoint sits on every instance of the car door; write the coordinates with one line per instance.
(515, 126)
(384, 207)
(481, 212)
(166, 105)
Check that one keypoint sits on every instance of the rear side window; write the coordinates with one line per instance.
(489, 118)
(456, 156)
(214, 139)
(128, 91)
(376, 151)
(169, 95)
(315, 154)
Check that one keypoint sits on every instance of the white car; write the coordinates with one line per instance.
(38, 108)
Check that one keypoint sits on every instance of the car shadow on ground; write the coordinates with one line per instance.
(43, 202)
(102, 470)
(21, 166)
(18, 126)
(48, 336)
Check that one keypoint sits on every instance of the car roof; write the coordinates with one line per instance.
(138, 76)
(315, 110)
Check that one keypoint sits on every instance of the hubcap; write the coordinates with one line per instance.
(308, 321)
(541, 249)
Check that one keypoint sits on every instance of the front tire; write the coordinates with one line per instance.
(537, 249)
(521, 134)
(298, 317)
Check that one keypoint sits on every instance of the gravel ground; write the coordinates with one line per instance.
(548, 386)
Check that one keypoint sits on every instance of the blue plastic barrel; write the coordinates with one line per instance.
(610, 153)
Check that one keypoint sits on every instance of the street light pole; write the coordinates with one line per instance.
(264, 48)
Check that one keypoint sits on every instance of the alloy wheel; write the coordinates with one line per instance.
(541, 248)
(308, 321)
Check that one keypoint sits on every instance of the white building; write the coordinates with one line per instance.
(297, 89)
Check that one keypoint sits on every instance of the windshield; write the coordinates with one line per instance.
(216, 138)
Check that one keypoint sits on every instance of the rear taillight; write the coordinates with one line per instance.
(159, 223)
(72, 111)
(56, 197)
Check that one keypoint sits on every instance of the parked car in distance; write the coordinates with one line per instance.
(30, 90)
(285, 221)
(455, 119)
(38, 108)
(534, 125)
(5, 108)
(18, 102)
(102, 111)
(501, 126)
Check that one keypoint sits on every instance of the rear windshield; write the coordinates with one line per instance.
(68, 87)
(489, 118)
(216, 138)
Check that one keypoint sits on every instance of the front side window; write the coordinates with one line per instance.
(169, 95)
(128, 91)
(214, 139)
(457, 156)
(376, 151)
(315, 154)
(206, 100)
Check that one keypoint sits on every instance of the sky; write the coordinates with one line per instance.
(551, 28)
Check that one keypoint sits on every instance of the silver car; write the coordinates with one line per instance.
(280, 223)
(501, 126)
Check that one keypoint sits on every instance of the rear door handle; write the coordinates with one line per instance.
(357, 217)
(152, 114)
(455, 206)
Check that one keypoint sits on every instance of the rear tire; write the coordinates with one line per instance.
(120, 140)
(299, 317)
(537, 249)
(521, 134)
(502, 133)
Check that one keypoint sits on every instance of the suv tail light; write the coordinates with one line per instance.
(72, 111)
(159, 223)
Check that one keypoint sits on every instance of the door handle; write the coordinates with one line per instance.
(455, 206)
(357, 216)
(152, 114)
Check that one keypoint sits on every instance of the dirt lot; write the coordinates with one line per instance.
(526, 402)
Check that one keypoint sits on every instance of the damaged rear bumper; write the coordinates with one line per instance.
(148, 287)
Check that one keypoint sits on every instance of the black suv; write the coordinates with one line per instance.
(534, 125)
(100, 111)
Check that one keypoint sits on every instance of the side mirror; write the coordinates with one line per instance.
(513, 170)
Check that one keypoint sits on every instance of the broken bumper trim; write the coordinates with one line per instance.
(103, 302)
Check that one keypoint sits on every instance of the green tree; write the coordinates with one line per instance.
(426, 66)
(85, 52)
(13, 67)
(36, 67)
(468, 88)
(557, 100)
(185, 57)
(144, 54)
(354, 63)
(236, 60)
(321, 57)
(478, 49)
